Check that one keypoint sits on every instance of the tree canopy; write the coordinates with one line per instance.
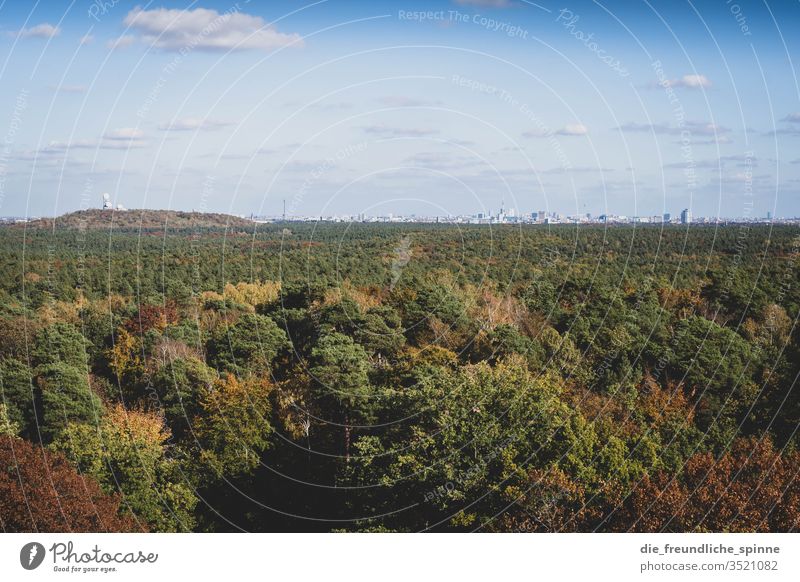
(531, 378)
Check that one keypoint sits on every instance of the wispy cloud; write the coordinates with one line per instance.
(689, 82)
(39, 155)
(693, 127)
(335, 106)
(697, 164)
(402, 101)
(792, 118)
(205, 29)
(740, 158)
(739, 161)
(121, 139)
(441, 161)
(194, 124)
(792, 131)
(44, 30)
(577, 170)
(569, 130)
(124, 138)
(385, 131)
(717, 140)
(124, 134)
(747, 178)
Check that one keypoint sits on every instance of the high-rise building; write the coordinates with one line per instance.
(686, 216)
(667, 217)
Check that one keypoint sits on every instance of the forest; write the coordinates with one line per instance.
(359, 377)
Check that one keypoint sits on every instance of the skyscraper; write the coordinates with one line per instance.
(686, 216)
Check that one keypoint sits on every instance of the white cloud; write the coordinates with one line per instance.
(792, 118)
(55, 147)
(401, 101)
(693, 127)
(335, 106)
(86, 39)
(194, 124)
(123, 41)
(441, 161)
(573, 129)
(118, 139)
(577, 170)
(44, 30)
(712, 164)
(385, 131)
(538, 132)
(121, 144)
(719, 139)
(38, 155)
(172, 29)
(125, 133)
(569, 130)
(746, 178)
(793, 131)
(690, 82)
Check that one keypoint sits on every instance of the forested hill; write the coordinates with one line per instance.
(96, 219)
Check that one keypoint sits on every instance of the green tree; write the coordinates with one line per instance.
(65, 397)
(128, 453)
(716, 364)
(340, 371)
(180, 385)
(17, 393)
(381, 332)
(60, 343)
(8, 427)
(247, 346)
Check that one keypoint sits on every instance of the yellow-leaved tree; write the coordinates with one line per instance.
(233, 428)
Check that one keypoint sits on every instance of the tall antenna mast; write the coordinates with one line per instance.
(284, 209)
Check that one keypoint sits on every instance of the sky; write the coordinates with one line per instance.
(428, 108)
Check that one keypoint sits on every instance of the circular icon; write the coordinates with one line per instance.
(31, 555)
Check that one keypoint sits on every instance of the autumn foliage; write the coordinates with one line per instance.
(399, 377)
(41, 492)
(750, 488)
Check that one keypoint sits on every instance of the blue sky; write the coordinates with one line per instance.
(442, 107)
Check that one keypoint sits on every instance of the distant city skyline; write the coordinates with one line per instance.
(502, 216)
(428, 108)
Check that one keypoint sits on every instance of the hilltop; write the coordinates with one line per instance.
(96, 219)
